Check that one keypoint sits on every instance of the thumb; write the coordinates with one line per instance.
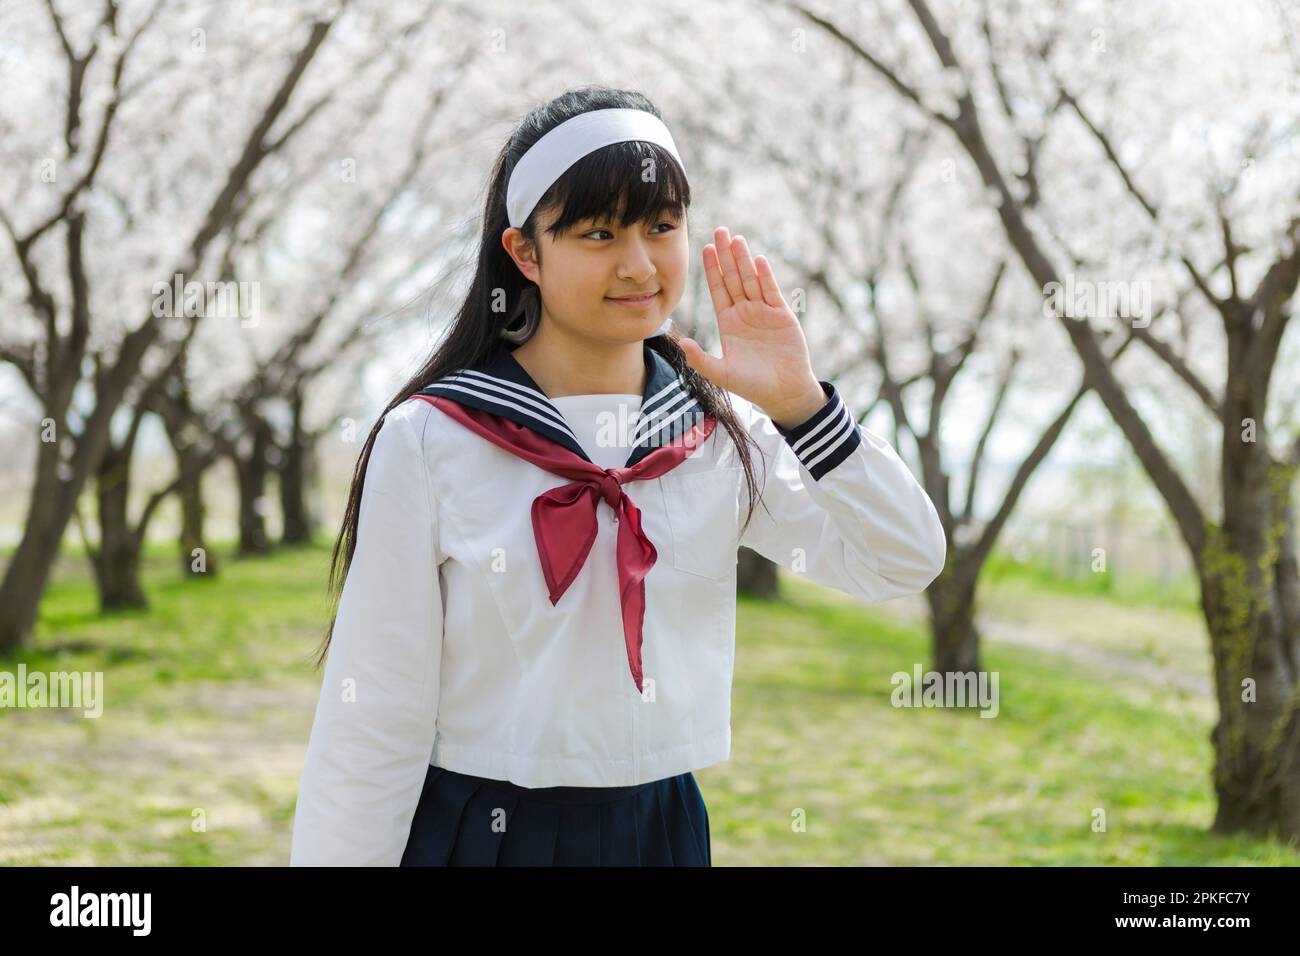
(707, 365)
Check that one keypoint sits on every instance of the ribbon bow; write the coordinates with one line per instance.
(564, 518)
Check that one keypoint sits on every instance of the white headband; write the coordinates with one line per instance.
(548, 158)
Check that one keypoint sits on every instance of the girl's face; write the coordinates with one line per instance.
(584, 272)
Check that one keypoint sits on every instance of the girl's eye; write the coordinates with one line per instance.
(664, 223)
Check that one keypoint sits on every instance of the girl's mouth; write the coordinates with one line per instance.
(638, 303)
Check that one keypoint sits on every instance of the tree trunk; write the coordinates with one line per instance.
(191, 541)
(183, 429)
(1249, 589)
(295, 477)
(951, 597)
(48, 512)
(252, 471)
(1257, 738)
(196, 559)
(117, 559)
(756, 576)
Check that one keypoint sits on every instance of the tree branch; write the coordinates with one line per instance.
(1004, 386)
(989, 535)
(1180, 368)
(1113, 157)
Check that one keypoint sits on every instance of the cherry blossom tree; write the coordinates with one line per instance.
(1227, 246)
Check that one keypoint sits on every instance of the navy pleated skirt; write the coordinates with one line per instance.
(464, 820)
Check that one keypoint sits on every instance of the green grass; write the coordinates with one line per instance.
(210, 696)
(1127, 589)
(815, 731)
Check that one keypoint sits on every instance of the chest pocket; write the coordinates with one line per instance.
(702, 509)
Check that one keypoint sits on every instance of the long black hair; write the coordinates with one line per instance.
(599, 185)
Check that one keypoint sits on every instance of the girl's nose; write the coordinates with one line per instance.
(636, 264)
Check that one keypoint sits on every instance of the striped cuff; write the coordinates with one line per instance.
(825, 439)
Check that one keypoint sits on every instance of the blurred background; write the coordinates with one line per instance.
(1050, 250)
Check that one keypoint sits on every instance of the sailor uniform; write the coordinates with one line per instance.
(589, 418)
(464, 820)
(523, 617)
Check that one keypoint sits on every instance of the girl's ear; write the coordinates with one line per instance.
(520, 248)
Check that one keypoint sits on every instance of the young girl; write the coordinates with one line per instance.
(534, 642)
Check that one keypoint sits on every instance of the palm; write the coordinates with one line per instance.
(764, 355)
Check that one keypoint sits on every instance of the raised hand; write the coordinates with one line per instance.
(764, 353)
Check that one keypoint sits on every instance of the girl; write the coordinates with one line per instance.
(534, 641)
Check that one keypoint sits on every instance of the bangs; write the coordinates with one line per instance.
(608, 185)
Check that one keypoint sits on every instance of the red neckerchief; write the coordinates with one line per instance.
(564, 518)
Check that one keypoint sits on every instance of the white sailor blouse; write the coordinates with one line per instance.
(455, 645)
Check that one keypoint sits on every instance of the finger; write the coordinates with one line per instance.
(767, 282)
(730, 274)
(745, 266)
(700, 360)
(713, 275)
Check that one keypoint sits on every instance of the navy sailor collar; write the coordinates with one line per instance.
(500, 385)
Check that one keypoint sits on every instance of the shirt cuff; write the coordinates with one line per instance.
(825, 439)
